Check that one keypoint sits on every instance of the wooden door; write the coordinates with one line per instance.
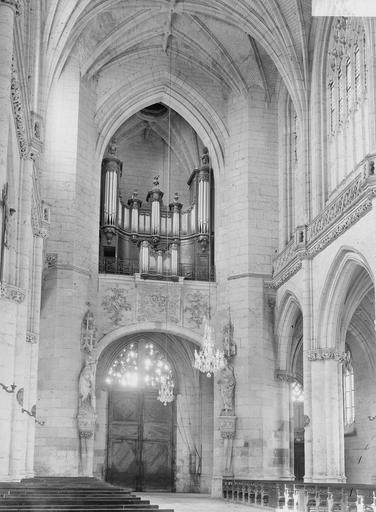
(140, 441)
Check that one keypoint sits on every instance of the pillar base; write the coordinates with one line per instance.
(216, 488)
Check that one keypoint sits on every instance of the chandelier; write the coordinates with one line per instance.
(166, 390)
(209, 359)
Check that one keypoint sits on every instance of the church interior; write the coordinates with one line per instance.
(187, 295)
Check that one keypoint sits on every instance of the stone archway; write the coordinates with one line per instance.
(180, 431)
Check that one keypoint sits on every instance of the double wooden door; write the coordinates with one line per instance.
(140, 441)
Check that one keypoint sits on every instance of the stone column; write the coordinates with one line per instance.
(284, 450)
(326, 423)
(8, 9)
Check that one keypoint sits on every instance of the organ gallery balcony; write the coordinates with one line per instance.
(130, 267)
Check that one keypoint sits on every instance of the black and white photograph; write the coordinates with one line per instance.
(188, 255)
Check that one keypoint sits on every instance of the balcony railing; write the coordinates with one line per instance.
(289, 496)
(130, 266)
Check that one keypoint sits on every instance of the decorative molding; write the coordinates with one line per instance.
(197, 307)
(10, 292)
(32, 337)
(343, 225)
(19, 114)
(326, 354)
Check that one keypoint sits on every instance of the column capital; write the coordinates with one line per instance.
(326, 354)
(16, 5)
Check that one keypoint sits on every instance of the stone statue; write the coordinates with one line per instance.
(205, 156)
(226, 384)
(86, 388)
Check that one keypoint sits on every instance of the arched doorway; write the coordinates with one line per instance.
(141, 418)
(140, 443)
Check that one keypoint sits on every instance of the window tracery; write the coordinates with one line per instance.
(344, 72)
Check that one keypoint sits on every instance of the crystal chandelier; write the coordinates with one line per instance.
(209, 359)
(166, 390)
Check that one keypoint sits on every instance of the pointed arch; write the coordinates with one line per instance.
(289, 314)
(117, 107)
(350, 270)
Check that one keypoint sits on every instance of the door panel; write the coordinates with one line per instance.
(140, 441)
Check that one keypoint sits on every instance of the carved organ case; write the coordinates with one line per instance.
(156, 238)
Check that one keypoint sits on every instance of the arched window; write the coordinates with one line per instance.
(142, 365)
(348, 391)
(346, 98)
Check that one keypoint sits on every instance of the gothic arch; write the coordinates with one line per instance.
(173, 92)
(349, 271)
(290, 312)
(128, 330)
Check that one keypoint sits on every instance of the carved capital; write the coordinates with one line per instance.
(284, 376)
(10, 292)
(16, 5)
(326, 354)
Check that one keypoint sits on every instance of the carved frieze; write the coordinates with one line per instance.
(326, 354)
(10, 292)
(115, 302)
(18, 112)
(196, 307)
(158, 303)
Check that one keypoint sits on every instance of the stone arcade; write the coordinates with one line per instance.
(173, 170)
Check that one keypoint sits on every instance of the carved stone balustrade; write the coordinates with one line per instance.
(351, 202)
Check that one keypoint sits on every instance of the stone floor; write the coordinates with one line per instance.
(184, 502)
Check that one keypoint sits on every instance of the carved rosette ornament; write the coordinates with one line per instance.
(326, 354)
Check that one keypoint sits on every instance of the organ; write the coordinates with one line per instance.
(154, 239)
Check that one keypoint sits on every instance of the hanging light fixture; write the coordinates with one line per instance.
(166, 391)
(209, 359)
(166, 382)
